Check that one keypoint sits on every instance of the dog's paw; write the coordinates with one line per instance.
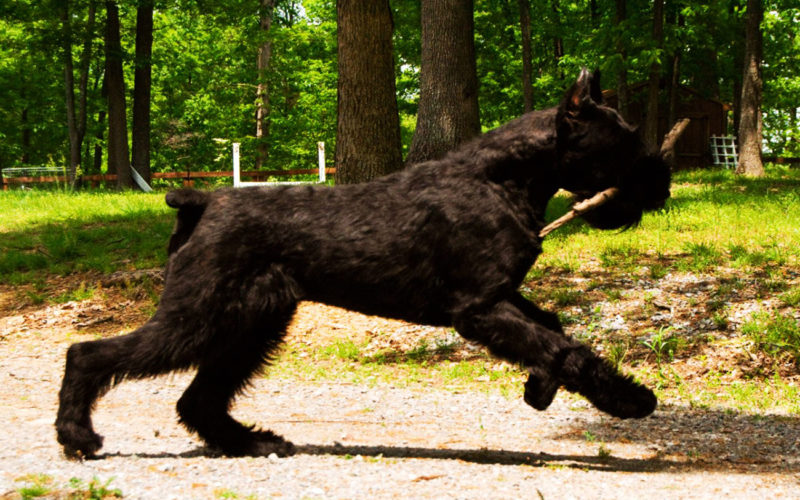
(78, 442)
(607, 389)
(540, 391)
(624, 398)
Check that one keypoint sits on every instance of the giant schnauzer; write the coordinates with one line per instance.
(446, 242)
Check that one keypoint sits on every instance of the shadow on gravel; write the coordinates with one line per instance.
(494, 457)
(678, 439)
(708, 439)
(479, 456)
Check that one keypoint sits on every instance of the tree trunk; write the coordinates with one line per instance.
(527, 57)
(25, 125)
(118, 159)
(368, 126)
(69, 90)
(262, 91)
(750, 133)
(140, 135)
(623, 95)
(558, 42)
(83, 84)
(594, 12)
(675, 75)
(448, 102)
(672, 114)
(650, 135)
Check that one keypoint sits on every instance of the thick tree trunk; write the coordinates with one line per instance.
(118, 159)
(140, 135)
(750, 132)
(650, 134)
(262, 91)
(527, 56)
(448, 103)
(69, 90)
(623, 95)
(368, 126)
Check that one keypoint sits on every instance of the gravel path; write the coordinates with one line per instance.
(382, 442)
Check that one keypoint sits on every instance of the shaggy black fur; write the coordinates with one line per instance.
(446, 242)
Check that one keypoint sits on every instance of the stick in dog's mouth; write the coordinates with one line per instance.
(579, 209)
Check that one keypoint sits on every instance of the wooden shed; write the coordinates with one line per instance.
(708, 117)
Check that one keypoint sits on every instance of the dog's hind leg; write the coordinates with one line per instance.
(92, 367)
(511, 334)
(242, 344)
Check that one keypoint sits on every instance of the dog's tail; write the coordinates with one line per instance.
(190, 204)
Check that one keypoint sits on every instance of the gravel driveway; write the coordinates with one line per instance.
(362, 441)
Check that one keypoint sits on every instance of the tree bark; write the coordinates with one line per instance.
(558, 42)
(650, 134)
(527, 56)
(675, 75)
(262, 91)
(448, 103)
(140, 134)
(118, 154)
(623, 95)
(69, 90)
(750, 124)
(368, 125)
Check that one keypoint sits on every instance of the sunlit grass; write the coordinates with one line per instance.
(714, 218)
(59, 232)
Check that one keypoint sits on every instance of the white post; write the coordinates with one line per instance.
(236, 179)
(321, 158)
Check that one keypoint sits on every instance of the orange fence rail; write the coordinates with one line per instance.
(188, 177)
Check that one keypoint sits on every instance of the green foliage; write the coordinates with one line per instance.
(664, 344)
(776, 335)
(205, 76)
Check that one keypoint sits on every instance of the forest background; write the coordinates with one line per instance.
(266, 73)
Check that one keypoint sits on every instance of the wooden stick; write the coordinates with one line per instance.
(580, 209)
(667, 152)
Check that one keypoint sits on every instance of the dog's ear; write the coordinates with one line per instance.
(594, 87)
(585, 91)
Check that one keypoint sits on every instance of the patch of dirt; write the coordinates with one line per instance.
(359, 441)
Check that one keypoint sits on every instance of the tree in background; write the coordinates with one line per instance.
(76, 119)
(448, 99)
(750, 124)
(205, 85)
(118, 153)
(650, 129)
(527, 65)
(262, 104)
(368, 130)
(623, 97)
(140, 131)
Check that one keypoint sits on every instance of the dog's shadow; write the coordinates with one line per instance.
(481, 456)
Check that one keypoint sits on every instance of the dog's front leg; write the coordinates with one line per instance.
(553, 359)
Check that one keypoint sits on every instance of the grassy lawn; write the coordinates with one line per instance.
(700, 301)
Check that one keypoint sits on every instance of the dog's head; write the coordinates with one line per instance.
(597, 150)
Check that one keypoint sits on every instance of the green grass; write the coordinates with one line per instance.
(713, 218)
(43, 485)
(776, 335)
(46, 232)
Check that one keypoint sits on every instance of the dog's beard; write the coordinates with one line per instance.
(646, 187)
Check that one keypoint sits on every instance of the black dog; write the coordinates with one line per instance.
(446, 242)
